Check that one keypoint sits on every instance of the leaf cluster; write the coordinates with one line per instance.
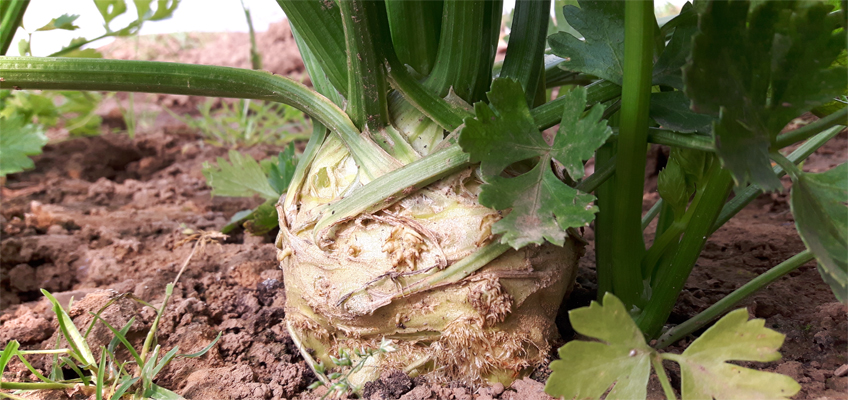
(619, 360)
(503, 135)
(756, 66)
(242, 176)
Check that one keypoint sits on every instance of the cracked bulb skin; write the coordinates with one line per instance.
(388, 275)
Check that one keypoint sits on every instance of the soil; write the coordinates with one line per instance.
(104, 216)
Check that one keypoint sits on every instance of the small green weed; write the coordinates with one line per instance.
(247, 123)
(348, 363)
(106, 376)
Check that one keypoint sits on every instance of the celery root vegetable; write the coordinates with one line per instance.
(425, 272)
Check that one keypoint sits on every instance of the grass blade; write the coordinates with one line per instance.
(72, 365)
(157, 392)
(8, 352)
(204, 350)
(31, 369)
(147, 371)
(101, 374)
(165, 360)
(120, 336)
(72, 334)
(125, 385)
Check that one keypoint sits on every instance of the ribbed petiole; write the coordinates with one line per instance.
(671, 277)
(415, 27)
(524, 54)
(320, 26)
(190, 79)
(732, 299)
(11, 15)
(838, 118)
(464, 49)
(549, 114)
(366, 77)
(626, 239)
(384, 191)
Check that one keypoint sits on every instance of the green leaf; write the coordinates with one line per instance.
(203, 350)
(83, 53)
(17, 142)
(110, 9)
(79, 109)
(126, 382)
(157, 392)
(668, 68)
(758, 69)
(8, 352)
(578, 138)
(101, 375)
(281, 170)
(705, 374)
(694, 164)
(164, 9)
(602, 25)
(821, 217)
(671, 184)
(562, 24)
(24, 47)
(142, 8)
(671, 110)
(263, 219)
(77, 52)
(242, 178)
(65, 22)
(236, 221)
(586, 370)
(72, 334)
(504, 133)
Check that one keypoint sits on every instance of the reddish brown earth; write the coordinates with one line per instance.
(103, 216)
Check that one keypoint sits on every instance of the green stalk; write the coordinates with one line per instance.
(319, 132)
(415, 27)
(486, 53)
(549, 114)
(656, 361)
(803, 133)
(671, 277)
(677, 139)
(651, 214)
(603, 220)
(666, 219)
(320, 25)
(198, 80)
(35, 386)
(527, 44)
(747, 195)
(320, 82)
(732, 299)
(11, 16)
(449, 116)
(366, 78)
(787, 165)
(389, 188)
(602, 173)
(459, 56)
(627, 241)
(255, 57)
